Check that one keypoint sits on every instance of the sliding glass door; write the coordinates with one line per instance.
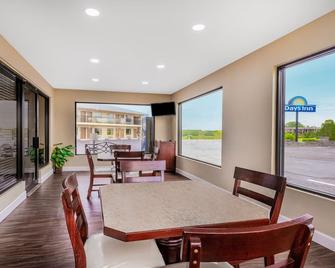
(24, 131)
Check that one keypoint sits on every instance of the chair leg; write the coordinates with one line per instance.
(269, 260)
(90, 187)
(236, 266)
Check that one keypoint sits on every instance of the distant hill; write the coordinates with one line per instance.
(195, 134)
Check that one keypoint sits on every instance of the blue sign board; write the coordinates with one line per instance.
(299, 104)
(300, 108)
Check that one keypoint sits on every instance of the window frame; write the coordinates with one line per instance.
(280, 118)
(179, 134)
(112, 103)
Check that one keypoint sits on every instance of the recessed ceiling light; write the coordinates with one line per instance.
(160, 66)
(92, 12)
(95, 80)
(198, 27)
(94, 60)
(145, 83)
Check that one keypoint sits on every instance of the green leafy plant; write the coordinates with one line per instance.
(61, 154)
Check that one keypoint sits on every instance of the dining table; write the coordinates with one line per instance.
(161, 211)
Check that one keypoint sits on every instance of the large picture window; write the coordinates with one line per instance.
(306, 123)
(200, 128)
(114, 123)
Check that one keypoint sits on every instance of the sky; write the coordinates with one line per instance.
(314, 80)
(203, 113)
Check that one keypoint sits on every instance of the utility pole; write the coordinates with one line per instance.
(296, 126)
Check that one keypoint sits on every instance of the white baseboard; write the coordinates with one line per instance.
(319, 237)
(323, 239)
(5, 212)
(45, 176)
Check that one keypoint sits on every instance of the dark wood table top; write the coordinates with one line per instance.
(138, 211)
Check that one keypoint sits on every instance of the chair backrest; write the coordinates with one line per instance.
(90, 161)
(136, 155)
(99, 148)
(75, 219)
(236, 245)
(273, 182)
(120, 147)
(156, 169)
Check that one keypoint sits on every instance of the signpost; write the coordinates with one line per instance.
(299, 104)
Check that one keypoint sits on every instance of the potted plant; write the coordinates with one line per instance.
(60, 155)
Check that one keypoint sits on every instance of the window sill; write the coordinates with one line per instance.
(199, 161)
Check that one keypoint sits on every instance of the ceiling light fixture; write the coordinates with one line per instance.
(145, 83)
(95, 80)
(94, 60)
(160, 66)
(92, 12)
(198, 27)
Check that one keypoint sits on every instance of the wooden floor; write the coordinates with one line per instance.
(35, 235)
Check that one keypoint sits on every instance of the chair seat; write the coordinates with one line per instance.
(202, 265)
(106, 252)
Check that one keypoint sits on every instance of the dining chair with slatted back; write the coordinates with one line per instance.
(99, 250)
(94, 175)
(126, 155)
(146, 171)
(75, 219)
(217, 247)
(272, 182)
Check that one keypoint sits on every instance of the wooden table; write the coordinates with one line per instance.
(162, 210)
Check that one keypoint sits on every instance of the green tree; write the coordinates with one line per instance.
(292, 124)
(328, 129)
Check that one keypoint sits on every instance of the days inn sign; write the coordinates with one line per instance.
(299, 104)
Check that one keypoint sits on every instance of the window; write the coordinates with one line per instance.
(8, 130)
(114, 123)
(306, 123)
(200, 128)
(109, 132)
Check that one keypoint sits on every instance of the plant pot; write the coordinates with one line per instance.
(58, 170)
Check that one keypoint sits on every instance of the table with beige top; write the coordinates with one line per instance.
(139, 211)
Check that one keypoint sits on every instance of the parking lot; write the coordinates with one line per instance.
(311, 166)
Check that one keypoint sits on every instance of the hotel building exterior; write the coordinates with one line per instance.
(114, 124)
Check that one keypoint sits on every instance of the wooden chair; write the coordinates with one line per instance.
(156, 169)
(126, 155)
(94, 175)
(217, 247)
(273, 182)
(99, 250)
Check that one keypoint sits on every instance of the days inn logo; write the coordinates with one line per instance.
(299, 104)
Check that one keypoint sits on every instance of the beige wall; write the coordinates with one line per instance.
(249, 88)
(65, 113)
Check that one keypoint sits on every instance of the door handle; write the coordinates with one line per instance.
(36, 142)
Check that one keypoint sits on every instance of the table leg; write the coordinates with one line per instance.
(170, 249)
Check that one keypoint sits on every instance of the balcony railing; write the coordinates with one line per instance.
(108, 120)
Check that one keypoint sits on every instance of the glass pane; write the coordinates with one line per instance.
(42, 157)
(115, 123)
(309, 125)
(8, 138)
(201, 120)
(29, 132)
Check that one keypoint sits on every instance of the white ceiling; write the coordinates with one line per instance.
(131, 37)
